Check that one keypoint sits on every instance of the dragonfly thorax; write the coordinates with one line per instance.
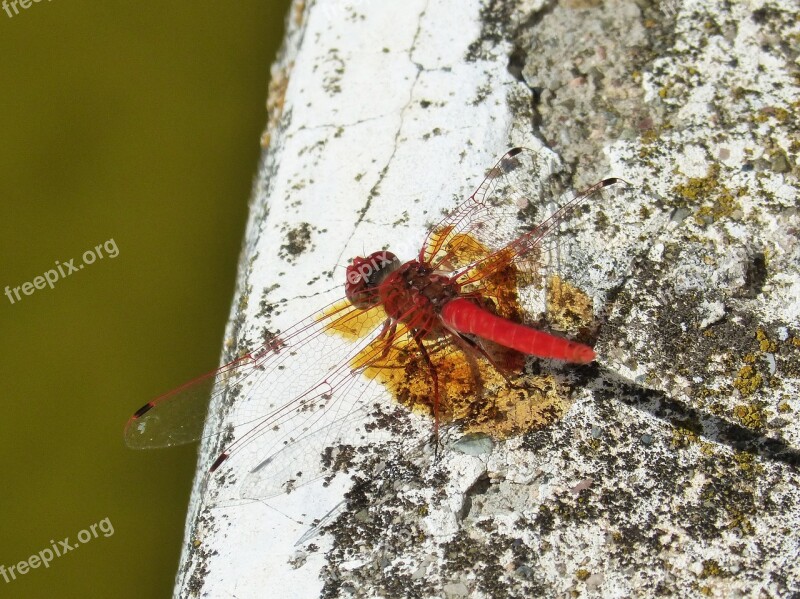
(415, 294)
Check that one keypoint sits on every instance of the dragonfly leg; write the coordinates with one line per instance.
(477, 347)
(435, 379)
(387, 325)
(389, 330)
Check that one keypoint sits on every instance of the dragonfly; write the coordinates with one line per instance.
(436, 332)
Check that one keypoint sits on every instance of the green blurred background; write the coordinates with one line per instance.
(137, 121)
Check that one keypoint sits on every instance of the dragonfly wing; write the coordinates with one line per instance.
(329, 395)
(492, 227)
(318, 442)
(300, 460)
(493, 214)
(178, 417)
(524, 187)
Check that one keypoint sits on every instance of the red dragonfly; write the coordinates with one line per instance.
(430, 330)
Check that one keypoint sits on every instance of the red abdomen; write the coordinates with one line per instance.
(466, 317)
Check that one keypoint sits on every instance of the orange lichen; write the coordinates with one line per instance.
(471, 390)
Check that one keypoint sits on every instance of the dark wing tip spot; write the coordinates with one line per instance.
(514, 151)
(614, 180)
(143, 410)
(218, 462)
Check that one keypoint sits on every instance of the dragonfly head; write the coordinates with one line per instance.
(364, 276)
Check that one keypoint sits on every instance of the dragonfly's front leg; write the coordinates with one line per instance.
(387, 332)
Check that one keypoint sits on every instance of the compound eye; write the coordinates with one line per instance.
(364, 276)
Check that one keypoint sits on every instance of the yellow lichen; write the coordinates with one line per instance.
(717, 408)
(764, 342)
(568, 308)
(649, 136)
(741, 521)
(776, 112)
(702, 189)
(747, 462)
(724, 205)
(749, 415)
(710, 568)
(682, 437)
(592, 445)
(748, 379)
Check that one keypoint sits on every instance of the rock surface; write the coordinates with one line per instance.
(675, 470)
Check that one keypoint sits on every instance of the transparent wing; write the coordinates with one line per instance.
(329, 368)
(178, 417)
(285, 447)
(491, 228)
(515, 187)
